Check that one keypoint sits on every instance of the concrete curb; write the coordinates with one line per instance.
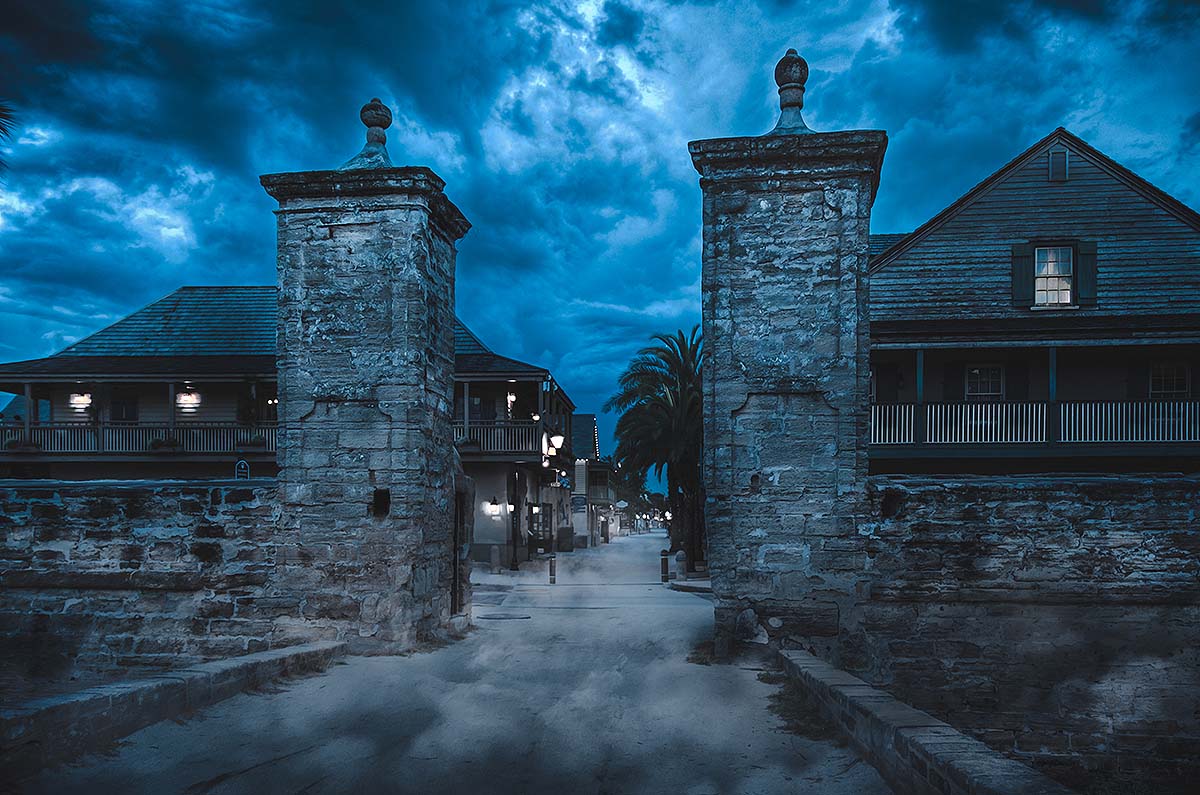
(44, 731)
(690, 586)
(913, 751)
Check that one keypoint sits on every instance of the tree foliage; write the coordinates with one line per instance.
(661, 427)
(8, 124)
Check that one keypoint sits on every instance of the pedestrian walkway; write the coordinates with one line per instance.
(579, 687)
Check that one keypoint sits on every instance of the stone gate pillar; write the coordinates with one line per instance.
(366, 390)
(786, 224)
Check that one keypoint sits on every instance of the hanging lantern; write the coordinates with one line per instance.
(557, 439)
(80, 401)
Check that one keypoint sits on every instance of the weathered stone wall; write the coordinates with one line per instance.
(98, 577)
(1055, 618)
(366, 358)
(786, 222)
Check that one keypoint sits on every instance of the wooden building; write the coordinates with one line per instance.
(1047, 320)
(186, 388)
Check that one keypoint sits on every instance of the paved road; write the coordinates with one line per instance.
(581, 687)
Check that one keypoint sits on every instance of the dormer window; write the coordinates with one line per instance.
(1054, 275)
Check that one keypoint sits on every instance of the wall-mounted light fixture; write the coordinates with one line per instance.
(536, 509)
(187, 401)
(80, 401)
(535, 416)
(512, 508)
(557, 439)
(492, 508)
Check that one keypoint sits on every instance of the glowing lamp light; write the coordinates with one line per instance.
(492, 508)
(187, 401)
(545, 461)
(551, 451)
(536, 509)
(557, 440)
(80, 401)
(536, 417)
(512, 508)
(668, 515)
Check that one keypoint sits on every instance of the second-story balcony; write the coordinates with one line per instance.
(1080, 428)
(131, 439)
(508, 438)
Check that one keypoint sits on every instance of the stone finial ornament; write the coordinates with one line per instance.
(791, 73)
(377, 117)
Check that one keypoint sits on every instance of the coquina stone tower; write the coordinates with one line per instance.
(366, 377)
(786, 224)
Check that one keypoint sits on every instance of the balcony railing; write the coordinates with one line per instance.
(1085, 422)
(1144, 421)
(892, 423)
(121, 438)
(985, 423)
(502, 436)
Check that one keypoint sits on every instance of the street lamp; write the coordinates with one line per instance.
(557, 439)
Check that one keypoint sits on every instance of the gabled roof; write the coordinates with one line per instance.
(210, 331)
(1060, 136)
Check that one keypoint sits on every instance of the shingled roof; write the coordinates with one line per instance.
(212, 331)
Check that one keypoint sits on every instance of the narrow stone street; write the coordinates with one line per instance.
(581, 687)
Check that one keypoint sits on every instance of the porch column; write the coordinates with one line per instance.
(466, 409)
(1053, 431)
(29, 409)
(787, 378)
(919, 410)
(171, 407)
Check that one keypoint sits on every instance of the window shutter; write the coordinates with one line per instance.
(1085, 269)
(1022, 274)
(952, 382)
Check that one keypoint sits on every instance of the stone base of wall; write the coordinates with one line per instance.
(98, 578)
(913, 751)
(1055, 618)
(56, 729)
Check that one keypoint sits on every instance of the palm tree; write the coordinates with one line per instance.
(8, 123)
(661, 428)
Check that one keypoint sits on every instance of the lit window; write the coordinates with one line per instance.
(985, 382)
(1053, 275)
(1170, 381)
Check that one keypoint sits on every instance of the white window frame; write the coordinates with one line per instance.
(1072, 276)
(988, 397)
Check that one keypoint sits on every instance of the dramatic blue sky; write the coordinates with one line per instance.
(561, 129)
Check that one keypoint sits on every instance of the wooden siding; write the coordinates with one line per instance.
(1148, 259)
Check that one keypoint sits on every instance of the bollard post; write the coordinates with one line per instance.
(552, 562)
(666, 571)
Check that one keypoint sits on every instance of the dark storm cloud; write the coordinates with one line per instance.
(560, 127)
(621, 25)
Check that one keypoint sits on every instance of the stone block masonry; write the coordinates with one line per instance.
(366, 373)
(102, 577)
(786, 222)
(1055, 619)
